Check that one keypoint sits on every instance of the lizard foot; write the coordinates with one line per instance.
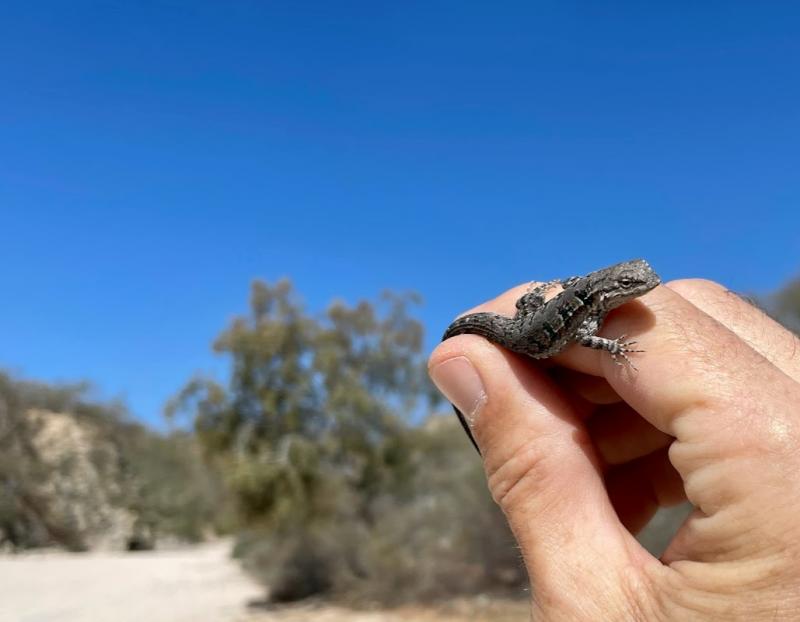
(620, 348)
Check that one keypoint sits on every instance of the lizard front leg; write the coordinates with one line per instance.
(586, 336)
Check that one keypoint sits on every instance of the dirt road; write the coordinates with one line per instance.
(200, 584)
(193, 585)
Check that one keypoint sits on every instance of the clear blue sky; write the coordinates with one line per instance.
(157, 156)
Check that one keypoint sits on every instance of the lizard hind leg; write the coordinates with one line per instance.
(532, 300)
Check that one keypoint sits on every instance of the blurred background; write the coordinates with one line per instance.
(232, 232)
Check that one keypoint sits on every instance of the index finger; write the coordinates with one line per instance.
(692, 364)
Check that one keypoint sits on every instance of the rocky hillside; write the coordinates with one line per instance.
(80, 475)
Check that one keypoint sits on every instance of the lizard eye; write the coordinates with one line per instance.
(625, 282)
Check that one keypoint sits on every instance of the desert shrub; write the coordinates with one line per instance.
(444, 538)
(448, 538)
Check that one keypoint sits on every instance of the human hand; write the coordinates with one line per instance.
(580, 452)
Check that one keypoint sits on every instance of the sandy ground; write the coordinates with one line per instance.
(199, 584)
(477, 609)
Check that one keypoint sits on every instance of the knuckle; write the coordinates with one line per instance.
(708, 346)
(690, 287)
(722, 303)
(524, 472)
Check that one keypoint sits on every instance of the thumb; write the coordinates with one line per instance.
(543, 472)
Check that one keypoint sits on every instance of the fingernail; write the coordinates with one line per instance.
(460, 383)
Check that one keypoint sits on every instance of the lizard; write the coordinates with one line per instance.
(543, 328)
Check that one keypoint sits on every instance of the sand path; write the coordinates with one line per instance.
(200, 584)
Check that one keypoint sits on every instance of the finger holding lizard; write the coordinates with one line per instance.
(619, 432)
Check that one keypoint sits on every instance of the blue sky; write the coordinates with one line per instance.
(157, 156)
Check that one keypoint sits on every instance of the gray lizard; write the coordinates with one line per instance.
(541, 329)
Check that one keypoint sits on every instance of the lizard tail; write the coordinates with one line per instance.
(492, 326)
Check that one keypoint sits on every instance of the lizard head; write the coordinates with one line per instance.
(626, 281)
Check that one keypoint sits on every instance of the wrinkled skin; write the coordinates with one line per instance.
(580, 453)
